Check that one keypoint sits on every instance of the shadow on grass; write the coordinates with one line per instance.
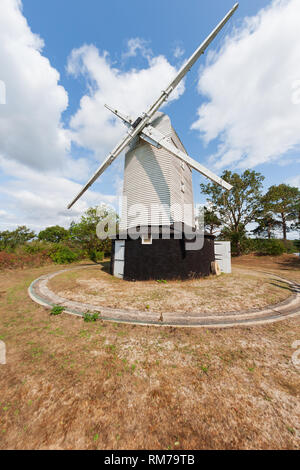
(281, 286)
(105, 266)
(290, 263)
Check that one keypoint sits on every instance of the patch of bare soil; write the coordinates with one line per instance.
(74, 385)
(242, 290)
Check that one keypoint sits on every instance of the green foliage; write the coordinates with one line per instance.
(10, 240)
(211, 221)
(91, 317)
(37, 246)
(54, 234)
(238, 207)
(57, 310)
(267, 224)
(264, 247)
(271, 247)
(96, 256)
(84, 233)
(63, 255)
(291, 246)
(238, 239)
(283, 202)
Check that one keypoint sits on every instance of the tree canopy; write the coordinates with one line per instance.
(54, 234)
(238, 207)
(9, 240)
(283, 202)
(85, 232)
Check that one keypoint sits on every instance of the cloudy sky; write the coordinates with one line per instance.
(61, 61)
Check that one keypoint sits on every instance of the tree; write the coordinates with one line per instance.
(9, 240)
(54, 234)
(266, 224)
(238, 238)
(212, 223)
(296, 213)
(238, 207)
(283, 202)
(84, 233)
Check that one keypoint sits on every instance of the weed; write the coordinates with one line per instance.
(57, 310)
(291, 430)
(91, 317)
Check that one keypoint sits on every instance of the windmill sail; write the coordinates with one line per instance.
(161, 140)
(153, 136)
(188, 65)
(137, 127)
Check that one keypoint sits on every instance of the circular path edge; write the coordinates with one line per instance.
(290, 308)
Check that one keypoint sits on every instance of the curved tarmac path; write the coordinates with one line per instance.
(290, 308)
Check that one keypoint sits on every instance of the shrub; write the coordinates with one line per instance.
(291, 246)
(96, 256)
(91, 317)
(264, 247)
(37, 246)
(57, 310)
(54, 234)
(21, 260)
(63, 255)
(273, 248)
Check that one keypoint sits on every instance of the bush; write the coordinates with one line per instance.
(272, 247)
(54, 234)
(264, 247)
(96, 256)
(37, 247)
(63, 255)
(22, 260)
(57, 310)
(91, 317)
(291, 246)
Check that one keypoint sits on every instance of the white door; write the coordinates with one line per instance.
(223, 256)
(119, 258)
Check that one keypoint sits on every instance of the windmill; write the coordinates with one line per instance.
(158, 174)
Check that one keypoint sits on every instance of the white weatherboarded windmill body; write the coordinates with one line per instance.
(158, 178)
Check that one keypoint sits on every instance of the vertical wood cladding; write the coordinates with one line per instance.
(166, 259)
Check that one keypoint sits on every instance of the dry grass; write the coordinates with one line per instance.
(73, 385)
(242, 290)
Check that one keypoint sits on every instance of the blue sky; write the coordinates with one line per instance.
(161, 27)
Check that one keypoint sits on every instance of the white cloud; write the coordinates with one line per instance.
(133, 91)
(178, 52)
(31, 131)
(294, 181)
(35, 166)
(32, 198)
(250, 85)
(136, 45)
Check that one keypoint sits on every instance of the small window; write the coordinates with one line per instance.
(146, 240)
